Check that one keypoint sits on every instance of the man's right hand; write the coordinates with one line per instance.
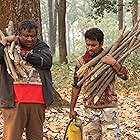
(72, 114)
(10, 38)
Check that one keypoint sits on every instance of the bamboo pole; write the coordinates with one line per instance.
(13, 71)
(102, 74)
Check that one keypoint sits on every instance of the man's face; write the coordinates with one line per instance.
(92, 46)
(28, 38)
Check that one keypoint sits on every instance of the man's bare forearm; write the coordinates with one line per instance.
(74, 97)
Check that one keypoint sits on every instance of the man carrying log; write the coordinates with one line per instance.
(23, 98)
(103, 115)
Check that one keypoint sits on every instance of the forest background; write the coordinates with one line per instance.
(63, 24)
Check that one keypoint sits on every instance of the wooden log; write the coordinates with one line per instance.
(132, 32)
(124, 44)
(84, 68)
(10, 28)
(97, 94)
(116, 44)
(17, 57)
(89, 74)
(11, 49)
(89, 83)
(95, 85)
(129, 51)
(92, 63)
(12, 69)
(100, 68)
(104, 82)
(128, 44)
(102, 89)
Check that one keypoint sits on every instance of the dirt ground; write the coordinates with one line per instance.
(58, 118)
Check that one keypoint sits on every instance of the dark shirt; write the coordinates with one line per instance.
(41, 59)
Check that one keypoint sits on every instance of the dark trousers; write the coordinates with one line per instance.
(28, 117)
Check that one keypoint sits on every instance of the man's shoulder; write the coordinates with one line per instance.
(41, 43)
(80, 61)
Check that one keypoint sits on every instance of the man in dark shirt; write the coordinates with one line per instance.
(23, 100)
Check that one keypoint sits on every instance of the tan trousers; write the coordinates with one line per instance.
(28, 117)
(103, 124)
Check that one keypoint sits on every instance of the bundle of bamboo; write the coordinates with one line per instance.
(97, 80)
(16, 66)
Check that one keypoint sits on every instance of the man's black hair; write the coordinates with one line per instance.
(95, 34)
(27, 24)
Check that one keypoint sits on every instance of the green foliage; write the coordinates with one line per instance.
(100, 6)
(133, 82)
(108, 26)
(128, 5)
(63, 74)
(133, 63)
(133, 60)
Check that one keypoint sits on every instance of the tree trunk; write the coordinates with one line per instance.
(55, 25)
(62, 32)
(68, 38)
(120, 14)
(44, 14)
(17, 11)
(134, 11)
(52, 24)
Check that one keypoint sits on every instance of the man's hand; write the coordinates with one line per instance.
(10, 38)
(108, 59)
(73, 114)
